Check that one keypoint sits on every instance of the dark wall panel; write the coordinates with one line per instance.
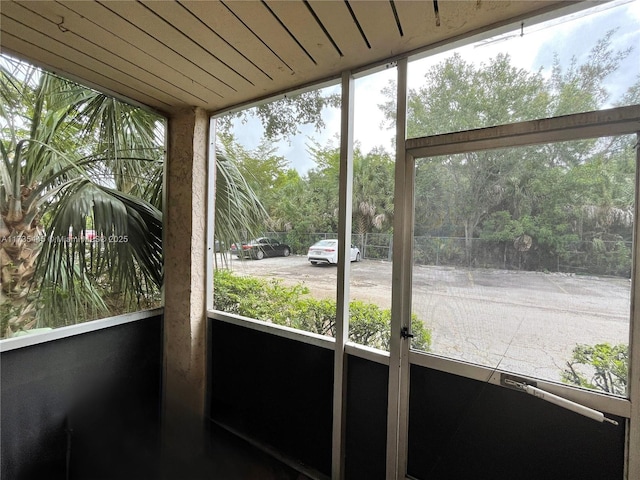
(366, 438)
(273, 390)
(461, 429)
(85, 406)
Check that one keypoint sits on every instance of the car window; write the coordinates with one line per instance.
(326, 243)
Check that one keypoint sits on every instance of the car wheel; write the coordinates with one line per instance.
(259, 254)
(286, 252)
(314, 263)
(357, 257)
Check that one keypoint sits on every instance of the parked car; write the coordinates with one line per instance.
(326, 251)
(260, 248)
(87, 235)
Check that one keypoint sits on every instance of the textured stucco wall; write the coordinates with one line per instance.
(184, 293)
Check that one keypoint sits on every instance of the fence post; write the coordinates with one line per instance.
(365, 241)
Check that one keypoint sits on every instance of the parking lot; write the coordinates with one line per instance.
(525, 322)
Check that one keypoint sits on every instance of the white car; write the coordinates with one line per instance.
(326, 251)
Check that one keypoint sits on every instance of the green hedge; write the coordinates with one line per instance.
(272, 302)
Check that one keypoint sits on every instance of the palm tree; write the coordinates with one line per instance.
(73, 161)
(81, 201)
(372, 191)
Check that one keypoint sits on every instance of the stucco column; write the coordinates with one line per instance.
(184, 375)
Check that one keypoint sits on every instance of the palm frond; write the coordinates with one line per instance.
(57, 308)
(239, 212)
(6, 183)
(126, 251)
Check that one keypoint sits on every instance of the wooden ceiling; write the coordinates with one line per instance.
(219, 54)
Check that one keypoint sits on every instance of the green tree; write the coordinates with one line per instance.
(73, 161)
(282, 118)
(322, 187)
(457, 95)
(546, 192)
(271, 179)
(239, 212)
(70, 160)
(373, 189)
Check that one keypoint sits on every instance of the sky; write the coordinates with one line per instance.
(534, 50)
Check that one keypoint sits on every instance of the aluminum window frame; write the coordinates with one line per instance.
(616, 121)
(580, 126)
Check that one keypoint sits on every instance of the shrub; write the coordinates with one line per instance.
(272, 302)
(599, 367)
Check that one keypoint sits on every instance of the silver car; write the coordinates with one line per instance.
(326, 251)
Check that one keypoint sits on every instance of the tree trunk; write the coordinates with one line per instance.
(19, 251)
(468, 241)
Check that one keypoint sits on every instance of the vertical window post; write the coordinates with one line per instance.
(211, 212)
(401, 293)
(633, 430)
(342, 301)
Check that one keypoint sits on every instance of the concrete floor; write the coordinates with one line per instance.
(228, 457)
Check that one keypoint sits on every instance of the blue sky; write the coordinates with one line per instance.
(570, 36)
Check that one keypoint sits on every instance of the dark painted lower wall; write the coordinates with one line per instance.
(273, 390)
(461, 429)
(279, 392)
(366, 435)
(83, 407)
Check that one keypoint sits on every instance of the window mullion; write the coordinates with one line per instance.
(633, 385)
(342, 300)
(401, 290)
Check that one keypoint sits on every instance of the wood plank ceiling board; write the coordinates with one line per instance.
(337, 20)
(379, 26)
(56, 63)
(125, 40)
(222, 54)
(304, 27)
(417, 19)
(463, 17)
(227, 26)
(164, 41)
(123, 55)
(64, 41)
(208, 41)
(260, 21)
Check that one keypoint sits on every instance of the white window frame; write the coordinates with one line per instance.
(619, 121)
(603, 123)
(400, 357)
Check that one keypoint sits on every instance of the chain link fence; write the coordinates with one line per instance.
(595, 257)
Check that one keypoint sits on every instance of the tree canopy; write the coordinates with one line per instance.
(531, 207)
(537, 203)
